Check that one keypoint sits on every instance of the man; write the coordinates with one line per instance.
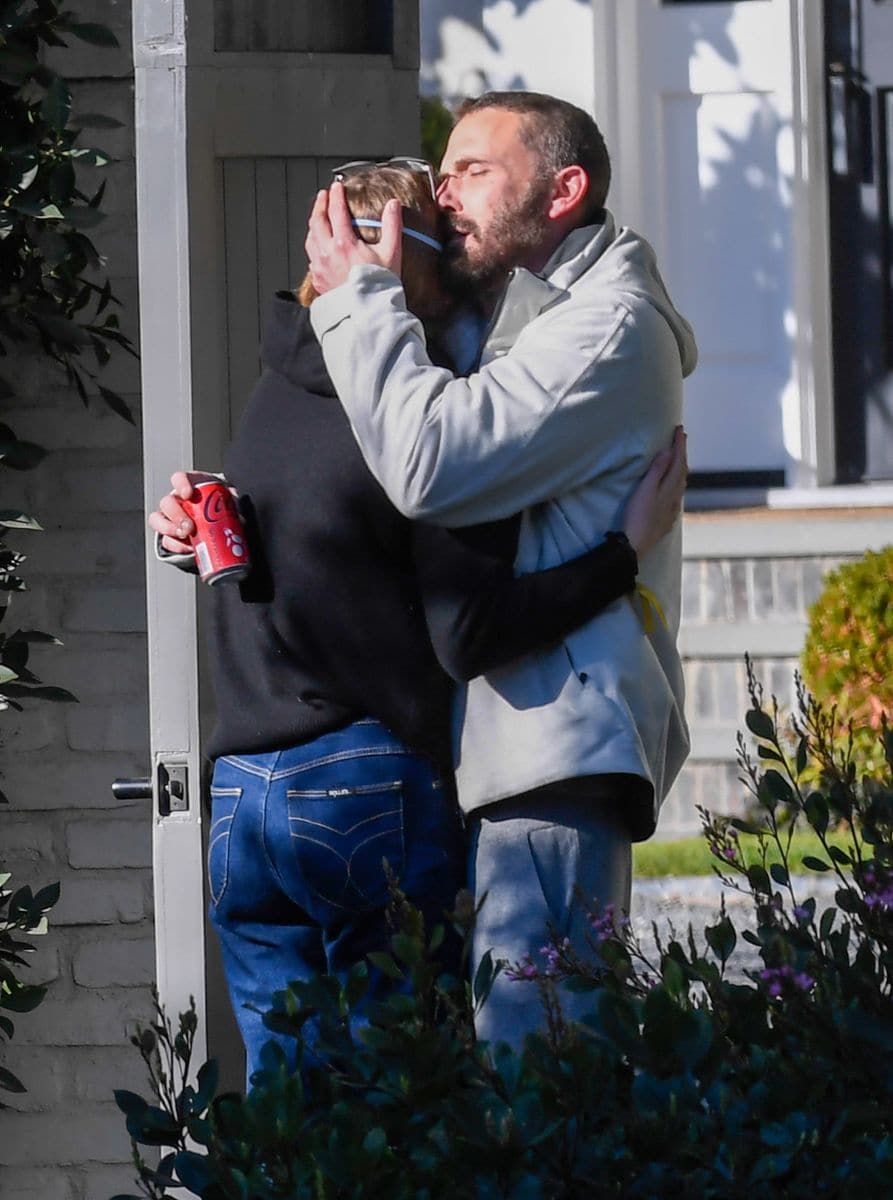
(564, 756)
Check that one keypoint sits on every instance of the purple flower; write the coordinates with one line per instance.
(552, 954)
(776, 978)
(525, 969)
(801, 912)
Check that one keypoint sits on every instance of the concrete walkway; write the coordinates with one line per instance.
(695, 900)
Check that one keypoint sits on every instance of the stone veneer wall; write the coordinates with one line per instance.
(65, 1139)
(729, 606)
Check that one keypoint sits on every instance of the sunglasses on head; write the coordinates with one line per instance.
(420, 165)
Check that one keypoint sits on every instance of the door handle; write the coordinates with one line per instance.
(132, 789)
(173, 788)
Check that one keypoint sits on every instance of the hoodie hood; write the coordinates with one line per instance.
(603, 254)
(290, 346)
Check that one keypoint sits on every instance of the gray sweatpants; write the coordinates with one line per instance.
(529, 854)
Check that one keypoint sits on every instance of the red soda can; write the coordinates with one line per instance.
(221, 551)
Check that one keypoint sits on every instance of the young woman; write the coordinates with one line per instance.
(332, 745)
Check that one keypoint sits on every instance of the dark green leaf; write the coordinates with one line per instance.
(39, 209)
(375, 1142)
(10, 1082)
(779, 787)
(758, 879)
(760, 724)
(56, 695)
(802, 756)
(26, 178)
(89, 157)
(16, 65)
(22, 456)
(207, 1078)
(817, 811)
(840, 856)
(35, 636)
(673, 976)
(48, 896)
(14, 518)
(407, 948)
(815, 864)
(195, 1171)
(55, 107)
(483, 978)
(721, 938)
(129, 1102)
(385, 963)
(26, 999)
(779, 874)
(746, 826)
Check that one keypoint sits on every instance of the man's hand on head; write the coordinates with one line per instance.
(333, 247)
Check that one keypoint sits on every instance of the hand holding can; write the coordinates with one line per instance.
(221, 550)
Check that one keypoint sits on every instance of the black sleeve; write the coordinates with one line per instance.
(480, 615)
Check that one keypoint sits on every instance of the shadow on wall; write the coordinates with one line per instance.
(470, 46)
(726, 244)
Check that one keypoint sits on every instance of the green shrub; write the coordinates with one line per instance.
(55, 304)
(687, 1079)
(437, 122)
(21, 912)
(848, 656)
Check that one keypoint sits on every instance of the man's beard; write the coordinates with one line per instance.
(515, 231)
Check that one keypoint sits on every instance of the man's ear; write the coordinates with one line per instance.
(569, 190)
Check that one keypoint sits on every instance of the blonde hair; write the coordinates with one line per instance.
(367, 192)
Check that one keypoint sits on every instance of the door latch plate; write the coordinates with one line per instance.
(173, 788)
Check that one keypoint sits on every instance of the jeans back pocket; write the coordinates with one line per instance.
(224, 804)
(339, 837)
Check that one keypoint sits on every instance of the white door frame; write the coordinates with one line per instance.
(616, 107)
(159, 43)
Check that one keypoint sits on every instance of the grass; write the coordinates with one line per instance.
(690, 856)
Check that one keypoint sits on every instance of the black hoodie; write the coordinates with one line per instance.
(331, 624)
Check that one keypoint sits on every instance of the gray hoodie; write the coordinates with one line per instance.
(579, 385)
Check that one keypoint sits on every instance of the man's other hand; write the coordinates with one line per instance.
(333, 247)
(170, 520)
(655, 505)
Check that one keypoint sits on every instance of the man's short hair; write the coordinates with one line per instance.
(559, 134)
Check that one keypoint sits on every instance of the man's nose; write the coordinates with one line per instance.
(446, 195)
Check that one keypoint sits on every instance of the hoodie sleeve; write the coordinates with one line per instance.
(587, 387)
(481, 616)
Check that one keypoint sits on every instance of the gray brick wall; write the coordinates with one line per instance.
(65, 1139)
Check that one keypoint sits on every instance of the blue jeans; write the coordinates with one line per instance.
(295, 860)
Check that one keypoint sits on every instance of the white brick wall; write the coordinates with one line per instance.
(65, 1139)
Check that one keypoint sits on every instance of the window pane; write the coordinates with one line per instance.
(322, 26)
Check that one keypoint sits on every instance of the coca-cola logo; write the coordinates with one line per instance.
(218, 505)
